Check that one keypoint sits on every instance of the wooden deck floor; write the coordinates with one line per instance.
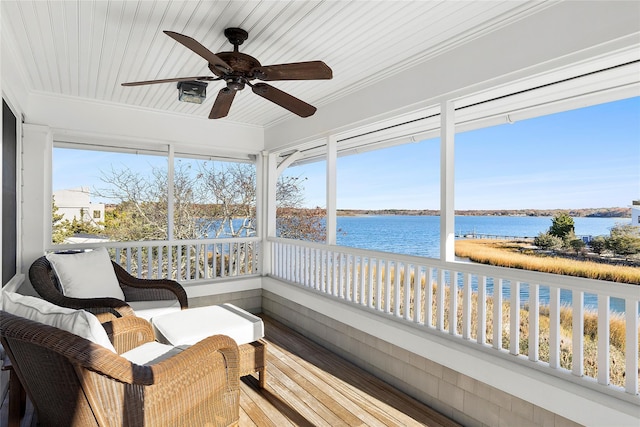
(308, 385)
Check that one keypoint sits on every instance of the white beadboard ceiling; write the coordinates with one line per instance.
(87, 49)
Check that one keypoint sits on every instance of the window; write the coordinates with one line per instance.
(388, 199)
(211, 198)
(220, 194)
(301, 201)
(132, 188)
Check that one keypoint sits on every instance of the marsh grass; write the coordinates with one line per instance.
(617, 322)
(505, 253)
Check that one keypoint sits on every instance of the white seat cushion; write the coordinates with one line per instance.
(86, 274)
(78, 322)
(187, 327)
(150, 353)
(150, 309)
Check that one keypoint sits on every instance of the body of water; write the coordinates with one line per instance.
(420, 236)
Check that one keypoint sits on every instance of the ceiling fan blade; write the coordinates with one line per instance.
(222, 104)
(283, 99)
(312, 70)
(219, 66)
(175, 79)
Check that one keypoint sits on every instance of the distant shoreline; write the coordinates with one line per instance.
(615, 212)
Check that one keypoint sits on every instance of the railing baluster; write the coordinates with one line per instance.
(149, 262)
(379, 285)
(417, 293)
(371, 270)
(397, 285)
(453, 304)
(323, 271)
(407, 290)
(428, 298)
(317, 261)
(466, 307)
(514, 318)
(554, 327)
(577, 361)
(482, 311)
(497, 313)
(387, 287)
(603, 339)
(364, 263)
(440, 301)
(342, 264)
(534, 321)
(335, 266)
(631, 347)
(139, 261)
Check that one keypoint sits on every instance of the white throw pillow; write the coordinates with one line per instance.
(78, 322)
(86, 274)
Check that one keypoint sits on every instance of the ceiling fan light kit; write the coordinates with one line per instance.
(238, 70)
(192, 91)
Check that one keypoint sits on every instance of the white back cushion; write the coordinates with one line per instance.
(78, 322)
(86, 274)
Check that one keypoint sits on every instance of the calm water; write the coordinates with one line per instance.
(420, 235)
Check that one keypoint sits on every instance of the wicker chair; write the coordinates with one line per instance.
(45, 282)
(74, 382)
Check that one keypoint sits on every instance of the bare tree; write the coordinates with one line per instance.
(216, 200)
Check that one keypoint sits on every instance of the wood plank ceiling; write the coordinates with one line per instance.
(87, 48)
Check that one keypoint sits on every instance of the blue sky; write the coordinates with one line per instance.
(585, 158)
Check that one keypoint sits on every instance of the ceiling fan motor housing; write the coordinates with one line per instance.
(237, 70)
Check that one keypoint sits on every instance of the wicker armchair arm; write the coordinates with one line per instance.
(193, 361)
(196, 358)
(197, 386)
(151, 285)
(129, 332)
(97, 306)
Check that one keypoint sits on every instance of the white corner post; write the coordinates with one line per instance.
(332, 185)
(37, 147)
(170, 193)
(447, 211)
(266, 206)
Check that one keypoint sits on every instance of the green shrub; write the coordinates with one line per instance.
(548, 241)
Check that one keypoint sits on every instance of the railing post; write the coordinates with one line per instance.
(447, 212)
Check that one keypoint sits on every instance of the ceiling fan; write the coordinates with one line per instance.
(239, 70)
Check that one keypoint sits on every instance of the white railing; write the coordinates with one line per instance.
(545, 313)
(183, 260)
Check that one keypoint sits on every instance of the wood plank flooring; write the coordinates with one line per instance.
(307, 385)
